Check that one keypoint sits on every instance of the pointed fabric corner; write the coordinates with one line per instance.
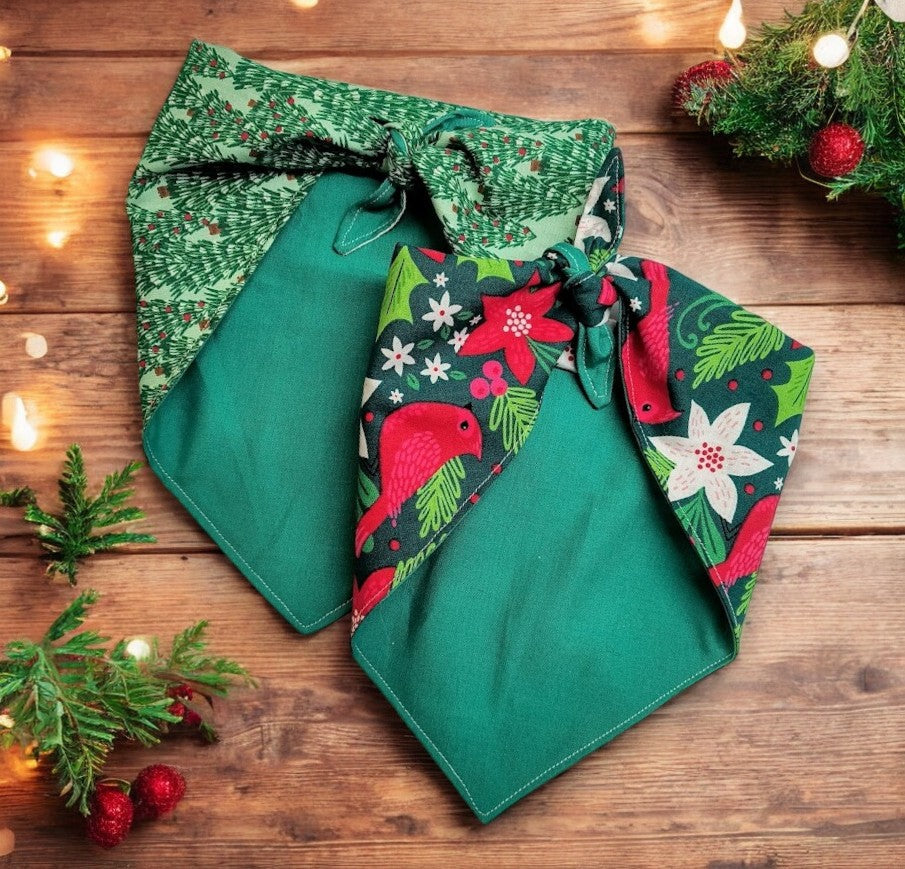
(716, 396)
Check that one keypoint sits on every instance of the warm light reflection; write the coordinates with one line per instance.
(304, 4)
(54, 162)
(732, 32)
(4, 294)
(655, 30)
(23, 434)
(5, 53)
(35, 345)
(57, 238)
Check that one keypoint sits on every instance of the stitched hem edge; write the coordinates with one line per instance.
(486, 815)
(236, 557)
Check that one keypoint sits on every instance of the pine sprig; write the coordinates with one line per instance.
(20, 496)
(71, 537)
(69, 697)
(778, 97)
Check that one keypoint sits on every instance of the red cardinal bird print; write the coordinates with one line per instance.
(414, 442)
(748, 549)
(645, 354)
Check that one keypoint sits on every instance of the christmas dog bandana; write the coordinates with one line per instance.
(264, 211)
(548, 505)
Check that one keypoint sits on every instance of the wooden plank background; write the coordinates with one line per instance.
(794, 755)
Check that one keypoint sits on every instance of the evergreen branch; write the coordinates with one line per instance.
(20, 496)
(69, 538)
(70, 696)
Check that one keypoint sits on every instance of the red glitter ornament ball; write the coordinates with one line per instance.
(156, 790)
(111, 816)
(835, 150)
(710, 73)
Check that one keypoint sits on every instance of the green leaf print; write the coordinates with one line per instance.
(699, 523)
(412, 381)
(367, 495)
(438, 499)
(791, 395)
(515, 411)
(659, 464)
(746, 339)
(404, 276)
(746, 596)
(488, 268)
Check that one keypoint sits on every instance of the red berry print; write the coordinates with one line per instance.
(796, 345)
(369, 416)
(749, 488)
(732, 385)
(767, 374)
(244, 135)
(680, 374)
(479, 388)
(498, 387)
(758, 425)
(492, 369)
(497, 469)
(394, 544)
(474, 498)
(187, 317)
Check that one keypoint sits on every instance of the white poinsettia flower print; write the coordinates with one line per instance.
(619, 269)
(441, 313)
(398, 356)
(458, 339)
(709, 456)
(396, 396)
(590, 225)
(789, 447)
(436, 369)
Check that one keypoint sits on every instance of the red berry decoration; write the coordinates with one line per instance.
(709, 74)
(835, 150)
(111, 816)
(156, 790)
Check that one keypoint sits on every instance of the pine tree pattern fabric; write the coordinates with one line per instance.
(237, 146)
(464, 351)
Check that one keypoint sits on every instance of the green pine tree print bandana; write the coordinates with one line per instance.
(237, 147)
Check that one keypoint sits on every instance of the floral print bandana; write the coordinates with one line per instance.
(465, 350)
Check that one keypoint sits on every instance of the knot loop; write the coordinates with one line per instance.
(589, 294)
(397, 160)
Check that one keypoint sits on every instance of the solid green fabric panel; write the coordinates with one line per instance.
(259, 439)
(566, 605)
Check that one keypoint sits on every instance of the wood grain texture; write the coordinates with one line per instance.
(793, 755)
(364, 27)
(689, 205)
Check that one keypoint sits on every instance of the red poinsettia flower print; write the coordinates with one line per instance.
(510, 322)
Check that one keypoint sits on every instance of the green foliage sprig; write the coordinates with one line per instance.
(779, 97)
(71, 537)
(69, 698)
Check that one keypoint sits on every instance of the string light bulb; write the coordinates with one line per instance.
(139, 648)
(56, 163)
(732, 31)
(4, 294)
(831, 50)
(23, 434)
(35, 345)
(57, 238)
(5, 54)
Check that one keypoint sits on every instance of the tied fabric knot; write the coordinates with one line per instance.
(378, 213)
(589, 296)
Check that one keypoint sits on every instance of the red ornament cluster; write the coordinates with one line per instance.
(835, 150)
(709, 74)
(156, 790)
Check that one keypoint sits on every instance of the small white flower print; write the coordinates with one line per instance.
(709, 456)
(398, 356)
(436, 369)
(440, 280)
(475, 320)
(777, 483)
(609, 205)
(458, 339)
(396, 396)
(789, 447)
(441, 313)
(635, 303)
